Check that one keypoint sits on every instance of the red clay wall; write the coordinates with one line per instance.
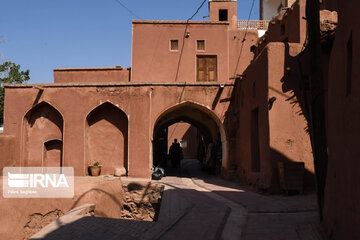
(245, 102)
(142, 104)
(281, 131)
(106, 136)
(331, 5)
(91, 75)
(41, 125)
(231, 6)
(342, 192)
(107, 195)
(287, 27)
(152, 60)
(239, 51)
(289, 138)
(186, 133)
(7, 152)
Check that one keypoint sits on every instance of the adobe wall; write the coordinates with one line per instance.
(142, 104)
(331, 5)
(7, 151)
(152, 57)
(245, 102)
(289, 135)
(342, 191)
(286, 27)
(74, 104)
(17, 213)
(187, 133)
(281, 130)
(91, 75)
(239, 52)
(231, 6)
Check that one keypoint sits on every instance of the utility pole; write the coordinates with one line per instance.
(317, 103)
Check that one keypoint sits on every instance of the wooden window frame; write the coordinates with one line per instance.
(209, 56)
(170, 45)
(197, 45)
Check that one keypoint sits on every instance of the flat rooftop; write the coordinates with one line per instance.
(180, 22)
(118, 84)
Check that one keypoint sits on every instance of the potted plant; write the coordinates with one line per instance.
(95, 169)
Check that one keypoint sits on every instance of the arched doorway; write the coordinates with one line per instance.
(42, 125)
(209, 133)
(106, 137)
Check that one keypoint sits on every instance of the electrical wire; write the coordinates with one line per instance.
(127, 9)
(183, 42)
(202, 4)
(244, 38)
(240, 53)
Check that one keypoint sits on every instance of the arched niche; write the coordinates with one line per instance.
(42, 124)
(106, 138)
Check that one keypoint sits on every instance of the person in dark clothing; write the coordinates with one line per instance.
(175, 154)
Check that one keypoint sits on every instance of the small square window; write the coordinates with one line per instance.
(223, 15)
(200, 45)
(174, 45)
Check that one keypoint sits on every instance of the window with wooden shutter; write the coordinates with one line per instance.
(200, 45)
(206, 68)
(174, 45)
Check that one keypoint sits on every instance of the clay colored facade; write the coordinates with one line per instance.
(182, 72)
(118, 116)
(341, 209)
(104, 125)
(191, 73)
(266, 120)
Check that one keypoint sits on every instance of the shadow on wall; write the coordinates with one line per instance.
(190, 141)
(312, 99)
(276, 157)
(252, 159)
(296, 81)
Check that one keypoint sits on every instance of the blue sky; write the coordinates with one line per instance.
(41, 35)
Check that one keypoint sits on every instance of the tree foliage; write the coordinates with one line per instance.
(10, 73)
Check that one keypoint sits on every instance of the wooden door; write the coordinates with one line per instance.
(206, 68)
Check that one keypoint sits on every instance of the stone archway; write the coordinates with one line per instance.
(106, 138)
(42, 124)
(205, 120)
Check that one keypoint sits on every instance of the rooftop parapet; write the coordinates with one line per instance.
(289, 26)
(253, 24)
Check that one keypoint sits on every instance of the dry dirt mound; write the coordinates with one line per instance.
(141, 201)
(38, 221)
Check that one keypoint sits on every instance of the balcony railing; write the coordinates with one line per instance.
(253, 24)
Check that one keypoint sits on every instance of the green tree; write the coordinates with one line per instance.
(10, 73)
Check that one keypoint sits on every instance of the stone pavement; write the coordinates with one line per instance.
(198, 206)
(267, 216)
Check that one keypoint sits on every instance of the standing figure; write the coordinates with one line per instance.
(175, 154)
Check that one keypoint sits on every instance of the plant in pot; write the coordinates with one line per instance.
(95, 169)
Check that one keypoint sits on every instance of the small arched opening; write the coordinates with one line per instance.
(52, 153)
